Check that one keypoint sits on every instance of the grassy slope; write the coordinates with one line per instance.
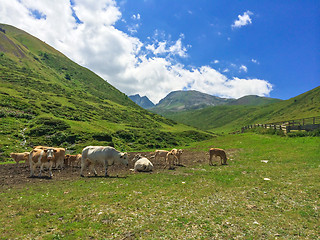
(231, 118)
(222, 202)
(46, 99)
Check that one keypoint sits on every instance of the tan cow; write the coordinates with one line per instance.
(71, 160)
(218, 152)
(171, 157)
(20, 157)
(41, 157)
(160, 153)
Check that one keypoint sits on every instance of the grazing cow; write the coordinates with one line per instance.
(107, 156)
(40, 157)
(160, 153)
(142, 164)
(20, 157)
(59, 154)
(218, 152)
(71, 160)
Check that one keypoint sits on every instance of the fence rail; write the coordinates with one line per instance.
(307, 124)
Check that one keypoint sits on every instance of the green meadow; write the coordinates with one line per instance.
(269, 190)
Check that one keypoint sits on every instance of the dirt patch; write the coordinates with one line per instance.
(18, 174)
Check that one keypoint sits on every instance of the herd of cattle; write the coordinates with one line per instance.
(41, 156)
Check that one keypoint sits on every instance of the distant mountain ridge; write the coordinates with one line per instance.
(178, 101)
(188, 100)
(143, 102)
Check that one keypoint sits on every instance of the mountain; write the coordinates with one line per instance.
(47, 99)
(253, 100)
(143, 102)
(187, 100)
(233, 117)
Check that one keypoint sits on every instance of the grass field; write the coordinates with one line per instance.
(277, 198)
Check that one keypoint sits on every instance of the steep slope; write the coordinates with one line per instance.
(231, 118)
(143, 102)
(47, 99)
(187, 100)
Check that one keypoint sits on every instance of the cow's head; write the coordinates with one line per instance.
(124, 158)
(50, 152)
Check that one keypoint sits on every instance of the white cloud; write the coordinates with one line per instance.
(243, 20)
(255, 61)
(243, 68)
(89, 37)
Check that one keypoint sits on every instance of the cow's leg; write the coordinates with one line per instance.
(31, 170)
(50, 170)
(41, 168)
(210, 160)
(84, 164)
(106, 171)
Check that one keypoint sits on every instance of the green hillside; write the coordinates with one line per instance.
(253, 100)
(47, 99)
(232, 118)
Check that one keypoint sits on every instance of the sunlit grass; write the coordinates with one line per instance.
(248, 199)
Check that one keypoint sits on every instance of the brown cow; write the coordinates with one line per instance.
(218, 152)
(70, 160)
(20, 157)
(59, 154)
(41, 157)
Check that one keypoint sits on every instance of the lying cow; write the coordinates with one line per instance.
(142, 164)
(40, 157)
(17, 157)
(217, 152)
(107, 156)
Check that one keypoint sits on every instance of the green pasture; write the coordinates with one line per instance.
(269, 190)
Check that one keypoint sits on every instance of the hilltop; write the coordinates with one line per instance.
(143, 102)
(232, 117)
(187, 100)
(47, 99)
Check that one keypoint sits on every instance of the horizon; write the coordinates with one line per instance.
(223, 48)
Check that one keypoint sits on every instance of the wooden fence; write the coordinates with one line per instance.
(306, 124)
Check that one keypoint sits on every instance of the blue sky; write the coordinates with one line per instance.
(225, 48)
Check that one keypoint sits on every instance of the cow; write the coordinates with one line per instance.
(41, 157)
(142, 164)
(71, 160)
(178, 156)
(58, 160)
(17, 157)
(107, 156)
(160, 153)
(171, 158)
(218, 152)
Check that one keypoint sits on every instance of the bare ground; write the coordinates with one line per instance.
(18, 174)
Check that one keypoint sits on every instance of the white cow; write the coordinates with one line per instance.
(106, 156)
(142, 164)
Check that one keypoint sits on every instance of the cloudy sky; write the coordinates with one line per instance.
(227, 48)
